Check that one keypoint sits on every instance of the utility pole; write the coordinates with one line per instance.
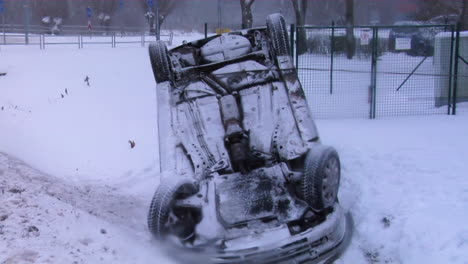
(27, 13)
(120, 15)
(462, 16)
(220, 13)
(157, 21)
(2, 11)
(350, 43)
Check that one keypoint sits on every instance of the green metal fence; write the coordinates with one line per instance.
(382, 70)
(460, 73)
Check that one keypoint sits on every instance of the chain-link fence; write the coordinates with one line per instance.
(383, 70)
(334, 85)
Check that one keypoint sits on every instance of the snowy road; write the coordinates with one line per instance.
(404, 179)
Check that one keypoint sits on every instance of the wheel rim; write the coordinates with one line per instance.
(181, 221)
(330, 181)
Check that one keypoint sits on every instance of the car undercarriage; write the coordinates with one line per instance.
(244, 174)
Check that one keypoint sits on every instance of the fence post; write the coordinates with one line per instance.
(332, 44)
(292, 30)
(449, 96)
(455, 74)
(297, 54)
(373, 86)
(142, 38)
(206, 30)
(375, 69)
(3, 26)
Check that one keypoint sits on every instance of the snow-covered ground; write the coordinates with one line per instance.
(404, 179)
(405, 182)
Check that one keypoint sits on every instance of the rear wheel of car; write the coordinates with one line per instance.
(276, 27)
(165, 217)
(321, 179)
(160, 61)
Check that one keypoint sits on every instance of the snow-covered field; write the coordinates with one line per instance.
(404, 179)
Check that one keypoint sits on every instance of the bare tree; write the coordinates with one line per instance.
(51, 14)
(246, 8)
(430, 9)
(300, 8)
(165, 8)
(324, 12)
(105, 11)
(350, 42)
(462, 18)
(53, 8)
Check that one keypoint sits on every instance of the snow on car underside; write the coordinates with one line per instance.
(247, 97)
(239, 149)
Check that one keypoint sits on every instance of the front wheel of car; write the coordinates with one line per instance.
(321, 179)
(165, 217)
(160, 61)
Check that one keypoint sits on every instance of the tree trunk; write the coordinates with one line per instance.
(350, 41)
(247, 18)
(70, 8)
(463, 16)
(160, 22)
(151, 22)
(300, 8)
(165, 8)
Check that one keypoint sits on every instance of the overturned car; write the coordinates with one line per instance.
(246, 177)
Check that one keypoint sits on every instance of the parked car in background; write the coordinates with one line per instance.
(420, 39)
(451, 19)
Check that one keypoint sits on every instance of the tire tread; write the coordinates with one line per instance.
(310, 188)
(161, 205)
(279, 35)
(160, 61)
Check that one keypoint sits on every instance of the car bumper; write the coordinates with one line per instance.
(319, 244)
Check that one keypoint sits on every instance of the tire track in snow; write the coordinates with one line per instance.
(101, 201)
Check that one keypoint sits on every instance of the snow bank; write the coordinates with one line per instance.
(44, 219)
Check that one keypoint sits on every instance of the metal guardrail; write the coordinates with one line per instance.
(67, 29)
(79, 36)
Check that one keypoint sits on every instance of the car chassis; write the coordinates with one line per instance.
(245, 176)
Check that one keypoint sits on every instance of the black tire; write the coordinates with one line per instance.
(160, 62)
(276, 27)
(321, 179)
(162, 205)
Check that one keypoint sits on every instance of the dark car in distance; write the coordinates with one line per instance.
(421, 38)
